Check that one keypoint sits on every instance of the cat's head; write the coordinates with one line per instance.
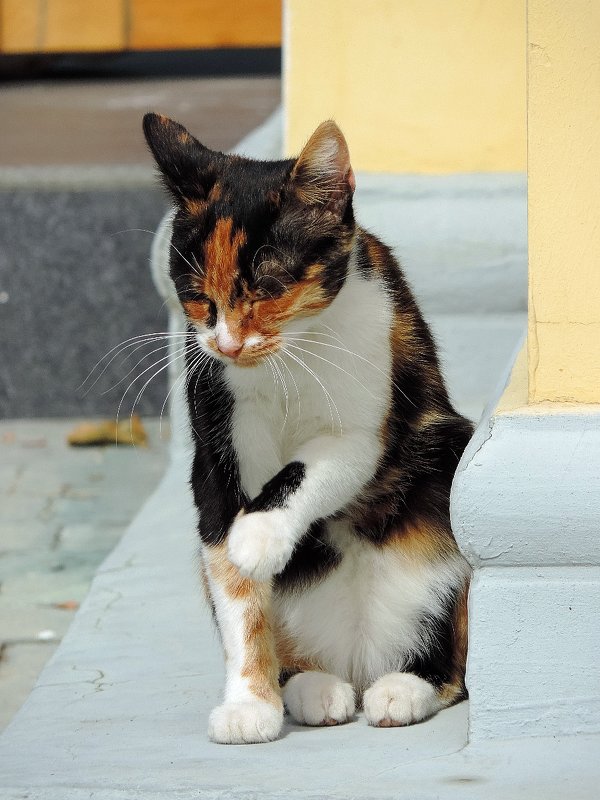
(258, 247)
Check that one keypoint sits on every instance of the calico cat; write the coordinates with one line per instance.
(325, 445)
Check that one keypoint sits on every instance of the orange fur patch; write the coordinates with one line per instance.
(260, 665)
(300, 299)
(221, 251)
(288, 659)
(227, 575)
(196, 310)
(195, 207)
(423, 540)
(377, 255)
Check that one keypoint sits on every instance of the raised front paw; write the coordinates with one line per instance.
(316, 698)
(260, 543)
(399, 698)
(245, 723)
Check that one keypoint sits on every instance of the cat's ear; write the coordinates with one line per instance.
(187, 167)
(322, 175)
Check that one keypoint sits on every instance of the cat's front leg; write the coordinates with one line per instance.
(260, 543)
(252, 710)
(326, 474)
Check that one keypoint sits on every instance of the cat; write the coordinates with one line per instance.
(325, 445)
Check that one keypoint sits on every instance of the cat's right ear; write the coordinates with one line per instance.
(187, 167)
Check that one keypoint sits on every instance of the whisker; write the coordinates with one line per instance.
(150, 379)
(167, 358)
(327, 361)
(328, 396)
(131, 342)
(284, 387)
(136, 365)
(291, 374)
(185, 374)
(362, 358)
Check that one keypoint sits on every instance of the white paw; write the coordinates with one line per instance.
(245, 723)
(399, 698)
(316, 698)
(260, 544)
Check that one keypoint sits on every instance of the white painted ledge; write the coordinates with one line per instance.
(526, 513)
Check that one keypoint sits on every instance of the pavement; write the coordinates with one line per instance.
(62, 511)
(120, 711)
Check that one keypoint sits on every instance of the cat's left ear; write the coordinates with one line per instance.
(322, 175)
(187, 167)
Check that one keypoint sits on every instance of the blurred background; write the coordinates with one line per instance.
(76, 180)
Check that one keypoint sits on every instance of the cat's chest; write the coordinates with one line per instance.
(269, 422)
(330, 380)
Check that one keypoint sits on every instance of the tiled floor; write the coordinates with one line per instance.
(62, 510)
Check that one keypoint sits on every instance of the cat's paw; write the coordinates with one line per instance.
(399, 698)
(245, 723)
(260, 543)
(316, 698)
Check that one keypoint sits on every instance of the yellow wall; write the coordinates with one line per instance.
(433, 87)
(564, 200)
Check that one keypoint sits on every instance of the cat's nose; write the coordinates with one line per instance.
(229, 347)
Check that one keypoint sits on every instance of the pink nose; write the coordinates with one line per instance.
(229, 348)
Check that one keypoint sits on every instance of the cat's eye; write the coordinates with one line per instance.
(192, 296)
(268, 287)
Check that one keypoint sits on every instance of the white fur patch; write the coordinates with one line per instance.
(261, 543)
(363, 619)
(245, 723)
(400, 698)
(316, 698)
(321, 401)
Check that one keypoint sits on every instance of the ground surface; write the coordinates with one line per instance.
(62, 510)
(99, 122)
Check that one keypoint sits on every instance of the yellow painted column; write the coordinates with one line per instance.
(425, 87)
(564, 200)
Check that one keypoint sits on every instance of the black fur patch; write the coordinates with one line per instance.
(215, 477)
(312, 559)
(278, 489)
(436, 665)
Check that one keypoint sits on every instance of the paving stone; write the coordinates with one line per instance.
(88, 537)
(62, 510)
(23, 620)
(19, 506)
(26, 534)
(20, 665)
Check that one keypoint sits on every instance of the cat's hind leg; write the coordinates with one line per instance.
(252, 710)
(403, 698)
(317, 698)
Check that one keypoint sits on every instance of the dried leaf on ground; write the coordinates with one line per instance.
(93, 434)
(67, 605)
